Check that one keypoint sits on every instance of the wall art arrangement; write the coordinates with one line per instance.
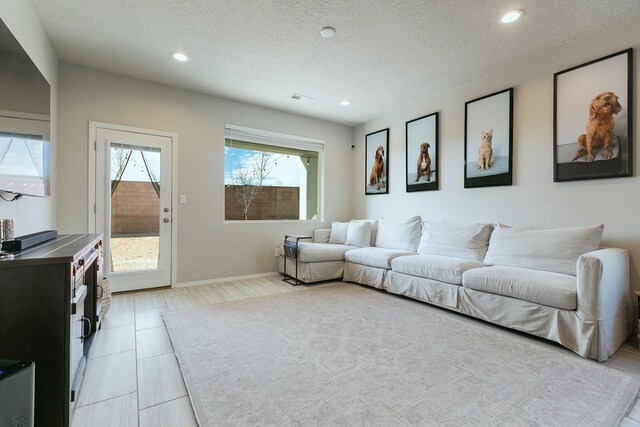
(377, 162)
(422, 153)
(488, 140)
(592, 119)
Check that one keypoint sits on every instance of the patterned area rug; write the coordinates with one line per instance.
(341, 354)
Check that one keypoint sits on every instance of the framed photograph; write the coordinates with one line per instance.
(422, 153)
(377, 162)
(488, 140)
(592, 119)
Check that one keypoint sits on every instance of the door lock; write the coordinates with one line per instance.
(166, 209)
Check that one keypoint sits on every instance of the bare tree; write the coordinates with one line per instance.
(246, 181)
(245, 190)
(262, 165)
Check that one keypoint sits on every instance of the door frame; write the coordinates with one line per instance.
(91, 205)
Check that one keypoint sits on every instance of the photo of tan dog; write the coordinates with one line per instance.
(424, 162)
(485, 153)
(377, 171)
(599, 129)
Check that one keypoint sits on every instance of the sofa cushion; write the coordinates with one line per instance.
(469, 241)
(402, 234)
(320, 252)
(375, 257)
(359, 234)
(321, 235)
(556, 250)
(338, 232)
(441, 268)
(541, 287)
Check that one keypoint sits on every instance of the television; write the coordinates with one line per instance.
(25, 102)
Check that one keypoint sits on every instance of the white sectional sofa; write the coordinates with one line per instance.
(553, 283)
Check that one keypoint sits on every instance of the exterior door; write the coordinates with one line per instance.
(133, 207)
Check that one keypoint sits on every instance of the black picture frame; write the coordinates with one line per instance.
(376, 183)
(488, 114)
(420, 131)
(579, 93)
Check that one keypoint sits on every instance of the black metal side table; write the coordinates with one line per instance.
(291, 251)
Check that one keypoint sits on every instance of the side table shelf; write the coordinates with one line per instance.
(290, 247)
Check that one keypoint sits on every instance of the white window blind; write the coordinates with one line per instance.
(265, 137)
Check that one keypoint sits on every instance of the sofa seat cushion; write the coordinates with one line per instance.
(441, 268)
(320, 252)
(375, 257)
(541, 287)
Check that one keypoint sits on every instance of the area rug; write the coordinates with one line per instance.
(341, 354)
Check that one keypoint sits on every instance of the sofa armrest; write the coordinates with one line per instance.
(603, 283)
(321, 235)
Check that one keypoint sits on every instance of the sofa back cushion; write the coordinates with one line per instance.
(553, 249)
(374, 228)
(455, 240)
(359, 234)
(402, 234)
(339, 232)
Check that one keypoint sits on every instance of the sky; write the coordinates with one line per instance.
(285, 172)
(135, 170)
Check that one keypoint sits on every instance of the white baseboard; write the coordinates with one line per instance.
(224, 279)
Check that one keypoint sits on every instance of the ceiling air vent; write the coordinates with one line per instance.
(302, 98)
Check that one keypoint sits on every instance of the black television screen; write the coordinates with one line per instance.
(24, 121)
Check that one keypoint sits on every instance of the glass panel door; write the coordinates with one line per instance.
(135, 204)
(135, 213)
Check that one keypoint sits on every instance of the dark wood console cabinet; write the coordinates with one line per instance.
(49, 313)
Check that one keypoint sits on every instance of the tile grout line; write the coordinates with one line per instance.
(135, 346)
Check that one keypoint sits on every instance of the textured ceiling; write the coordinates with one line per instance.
(386, 53)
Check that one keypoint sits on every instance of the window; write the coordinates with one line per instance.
(271, 176)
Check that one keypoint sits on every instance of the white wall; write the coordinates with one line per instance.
(207, 247)
(534, 199)
(32, 214)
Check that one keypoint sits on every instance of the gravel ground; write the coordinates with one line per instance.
(134, 253)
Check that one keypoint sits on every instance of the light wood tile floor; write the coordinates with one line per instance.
(133, 378)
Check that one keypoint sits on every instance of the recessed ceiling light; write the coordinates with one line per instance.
(512, 15)
(345, 102)
(328, 32)
(179, 56)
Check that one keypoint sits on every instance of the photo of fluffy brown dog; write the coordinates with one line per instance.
(424, 162)
(485, 153)
(599, 129)
(377, 171)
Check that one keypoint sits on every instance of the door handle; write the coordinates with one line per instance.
(166, 209)
(88, 330)
(166, 220)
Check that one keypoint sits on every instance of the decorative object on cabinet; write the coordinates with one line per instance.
(488, 140)
(592, 120)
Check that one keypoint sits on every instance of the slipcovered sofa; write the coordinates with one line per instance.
(553, 283)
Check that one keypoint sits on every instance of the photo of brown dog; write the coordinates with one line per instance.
(377, 171)
(485, 153)
(599, 129)
(424, 162)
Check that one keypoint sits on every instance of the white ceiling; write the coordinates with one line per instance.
(386, 54)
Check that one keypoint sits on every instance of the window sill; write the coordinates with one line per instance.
(274, 221)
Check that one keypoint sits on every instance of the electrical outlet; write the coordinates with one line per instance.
(276, 251)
